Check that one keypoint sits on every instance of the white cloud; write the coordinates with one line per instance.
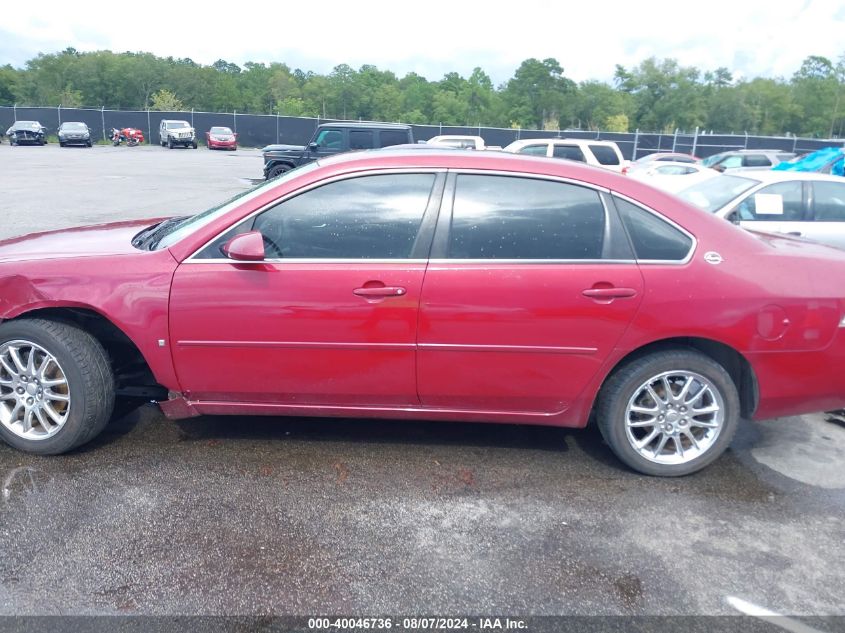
(750, 38)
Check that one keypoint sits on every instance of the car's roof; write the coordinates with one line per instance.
(772, 176)
(554, 139)
(366, 124)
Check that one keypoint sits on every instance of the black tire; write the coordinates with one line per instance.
(278, 170)
(624, 383)
(89, 377)
(169, 143)
(62, 144)
(194, 144)
(88, 144)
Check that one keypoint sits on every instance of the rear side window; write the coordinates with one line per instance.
(829, 201)
(359, 218)
(652, 238)
(392, 137)
(502, 217)
(570, 152)
(675, 170)
(756, 160)
(360, 139)
(604, 154)
(535, 150)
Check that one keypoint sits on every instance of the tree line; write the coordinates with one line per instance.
(658, 95)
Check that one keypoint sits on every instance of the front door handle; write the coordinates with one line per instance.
(609, 293)
(380, 291)
(796, 233)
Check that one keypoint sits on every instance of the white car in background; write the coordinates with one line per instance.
(459, 142)
(671, 177)
(804, 204)
(604, 154)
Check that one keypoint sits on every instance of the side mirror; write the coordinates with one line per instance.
(246, 247)
(313, 146)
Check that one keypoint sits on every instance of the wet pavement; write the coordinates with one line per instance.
(309, 516)
(301, 516)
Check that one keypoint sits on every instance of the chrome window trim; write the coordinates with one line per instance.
(670, 222)
(512, 262)
(521, 174)
(306, 260)
(193, 259)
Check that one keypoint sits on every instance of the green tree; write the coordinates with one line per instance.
(166, 101)
(538, 93)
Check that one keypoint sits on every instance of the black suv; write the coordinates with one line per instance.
(334, 138)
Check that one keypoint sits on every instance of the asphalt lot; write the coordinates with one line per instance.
(303, 516)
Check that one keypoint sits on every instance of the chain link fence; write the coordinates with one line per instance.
(258, 130)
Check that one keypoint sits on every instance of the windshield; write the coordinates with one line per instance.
(186, 226)
(711, 195)
(74, 126)
(176, 124)
(26, 124)
(220, 130)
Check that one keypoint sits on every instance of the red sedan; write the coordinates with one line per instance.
(221, 138)
(434, 285)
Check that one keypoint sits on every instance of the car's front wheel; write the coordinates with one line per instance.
(56, 386)
(669, 413)
(278, 170)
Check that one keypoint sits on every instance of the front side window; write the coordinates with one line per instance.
(781, 202)
(604, 154)
(535, 150)
(569, 152)
(731, 162)
(651, 237)
(330, 139)
(371, 217)
(507, 217)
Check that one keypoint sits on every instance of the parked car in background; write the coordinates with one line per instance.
(669, 176)
(828, 160)
(459, 142)
(173, 133)
(747, 159)
(74, 133)
(802, 204)
(467, 286)
(597, 153)
(333, 138)
(27, 133)
(674, 157)
(220, 137)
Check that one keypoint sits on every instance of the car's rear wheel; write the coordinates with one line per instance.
(56, 386)
(669, 413)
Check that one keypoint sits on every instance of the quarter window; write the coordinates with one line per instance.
(502, 217)
(604, 154)
(371, 217)
(651, 237)
(570, 152)
(392, 137)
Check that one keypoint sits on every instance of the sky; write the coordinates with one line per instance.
(750, 37)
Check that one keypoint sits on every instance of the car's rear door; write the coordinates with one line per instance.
(330, 316)
(531, 284)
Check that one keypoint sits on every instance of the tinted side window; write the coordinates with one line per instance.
(829, 202)
(652, 237)
(393, 137)
(757, 160)
(571, 152)
(781, 202)
(502, 217)
(535, 150)
(359, 218)
(604, 154)
(360, 139)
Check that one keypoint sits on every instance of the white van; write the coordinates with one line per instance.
(598, 153)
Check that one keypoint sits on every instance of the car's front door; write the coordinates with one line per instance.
(329, 317)
(531, 284)
(329, 141)
(778, 208)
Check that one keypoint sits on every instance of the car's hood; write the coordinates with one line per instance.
(86, 241)
(287, 149)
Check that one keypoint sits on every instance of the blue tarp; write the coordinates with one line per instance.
(827, 160)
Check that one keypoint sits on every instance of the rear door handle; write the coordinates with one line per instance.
(380, 291)
(796, 233)
(609, 293)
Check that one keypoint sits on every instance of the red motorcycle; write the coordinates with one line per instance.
(129, 135)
